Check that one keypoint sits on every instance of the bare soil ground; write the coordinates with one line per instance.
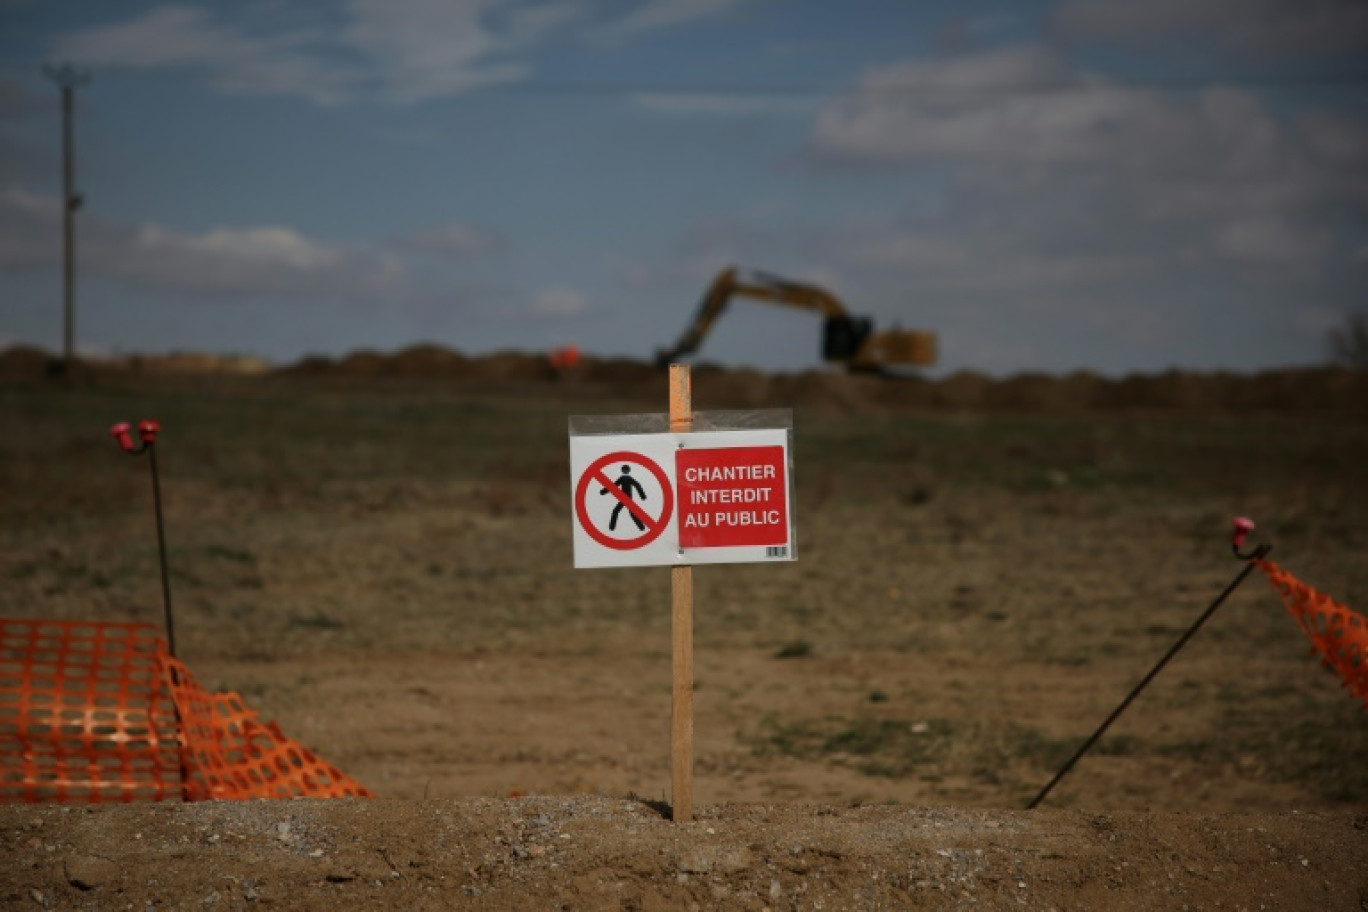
(611, 853)
(376, 554)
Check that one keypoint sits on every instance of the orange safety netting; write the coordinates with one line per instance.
(231, 753)
(1338, 633)
(98, 712)
(83, 714)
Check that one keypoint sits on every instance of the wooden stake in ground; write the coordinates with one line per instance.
(681, 625)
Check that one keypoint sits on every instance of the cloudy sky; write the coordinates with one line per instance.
(1100, 184)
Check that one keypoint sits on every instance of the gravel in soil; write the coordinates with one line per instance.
(597, 853)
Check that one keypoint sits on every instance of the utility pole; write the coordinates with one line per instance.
(68, 78)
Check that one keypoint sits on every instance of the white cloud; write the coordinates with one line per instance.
(402, 50)
(1266, 27)
(396, 50)
(1016, 250)
(1092, 159)
(560, 302)
(243, 261)
(967, 107)
(1026, 106)
(221, 262)
(284, 63)
(276, 246)
(428, 48)
(164, 36)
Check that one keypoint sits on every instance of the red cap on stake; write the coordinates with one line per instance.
(121, 434)
(1242, 526)
(147, 430)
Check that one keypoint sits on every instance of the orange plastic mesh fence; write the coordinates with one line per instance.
(83, 714)
(1337, 632)
(231, 753)
(90, 713)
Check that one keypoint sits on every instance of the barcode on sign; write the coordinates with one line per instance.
(776, 551)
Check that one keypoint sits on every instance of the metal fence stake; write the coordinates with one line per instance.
(1252, 561)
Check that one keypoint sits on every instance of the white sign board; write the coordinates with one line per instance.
(643, 500)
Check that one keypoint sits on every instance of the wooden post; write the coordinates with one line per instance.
(681, 625)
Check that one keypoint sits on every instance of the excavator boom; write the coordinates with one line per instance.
(845, 338)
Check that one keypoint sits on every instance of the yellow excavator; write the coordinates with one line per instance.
(846, 339)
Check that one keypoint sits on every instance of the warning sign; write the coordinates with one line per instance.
(690, 498)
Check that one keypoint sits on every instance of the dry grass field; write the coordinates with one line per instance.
(382, 564)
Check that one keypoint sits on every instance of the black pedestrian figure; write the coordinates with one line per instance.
(625, 483)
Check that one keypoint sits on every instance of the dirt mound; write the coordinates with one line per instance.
(1310, 389)
(24, 362)
(618, 373)
(364, 363)
(185, 363)
(832, 390)
(27, 363)
(429, 361)
(1315, 389)
(734, 389)
(418, 361)
(513, 365)
(1043, 393)
(600, 853)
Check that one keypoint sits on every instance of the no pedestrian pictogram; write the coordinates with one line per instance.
(611, 476)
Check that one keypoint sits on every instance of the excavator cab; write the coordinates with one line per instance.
(842, 337)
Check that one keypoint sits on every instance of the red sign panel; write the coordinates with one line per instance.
(732, 496)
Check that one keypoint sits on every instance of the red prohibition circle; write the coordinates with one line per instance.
(653, 527)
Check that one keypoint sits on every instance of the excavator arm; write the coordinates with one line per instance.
(715, 300)
(845, 338)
